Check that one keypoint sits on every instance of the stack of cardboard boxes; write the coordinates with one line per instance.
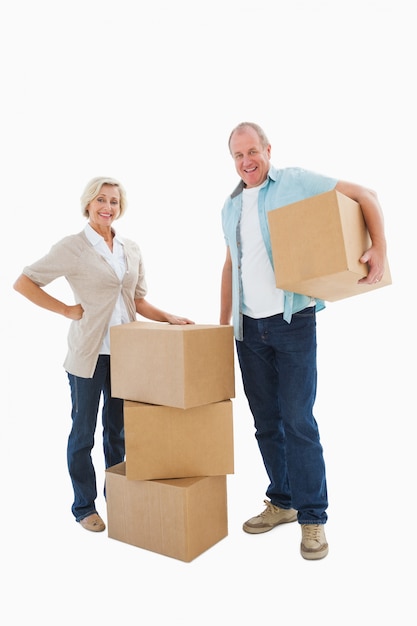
(177, 382)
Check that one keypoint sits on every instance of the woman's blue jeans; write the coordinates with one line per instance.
(279, 373)
(85, 395)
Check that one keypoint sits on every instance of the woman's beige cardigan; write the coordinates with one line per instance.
(96, 287)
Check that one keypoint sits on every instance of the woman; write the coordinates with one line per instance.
(107, 277)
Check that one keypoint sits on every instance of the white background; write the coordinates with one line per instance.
(148, 92)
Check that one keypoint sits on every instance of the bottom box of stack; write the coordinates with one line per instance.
(178, 517)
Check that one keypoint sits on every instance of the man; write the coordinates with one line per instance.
(275, 333)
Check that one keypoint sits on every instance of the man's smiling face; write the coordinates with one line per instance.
(250, 156)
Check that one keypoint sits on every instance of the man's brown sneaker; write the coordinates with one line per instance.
(268, 519)
(313, 542)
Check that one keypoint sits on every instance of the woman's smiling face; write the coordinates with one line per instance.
(104, 208)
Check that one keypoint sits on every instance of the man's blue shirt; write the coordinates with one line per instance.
(282, 187)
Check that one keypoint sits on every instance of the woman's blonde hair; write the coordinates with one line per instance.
(92, 189)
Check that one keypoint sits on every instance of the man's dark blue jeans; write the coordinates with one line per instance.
(279, 373)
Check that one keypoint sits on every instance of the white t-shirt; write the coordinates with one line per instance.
(261, 297)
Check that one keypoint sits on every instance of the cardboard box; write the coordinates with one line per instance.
(166, 442)
(180, 518)
(177, 366)
(316, 247)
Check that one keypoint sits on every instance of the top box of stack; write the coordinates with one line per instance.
(316, 247)
(179, 366)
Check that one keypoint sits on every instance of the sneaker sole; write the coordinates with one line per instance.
(311, 555)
